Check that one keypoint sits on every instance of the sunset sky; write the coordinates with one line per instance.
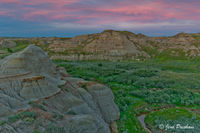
(29, 18)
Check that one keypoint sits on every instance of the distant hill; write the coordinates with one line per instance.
(118, 45)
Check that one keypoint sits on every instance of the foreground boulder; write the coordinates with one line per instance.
(38, 96)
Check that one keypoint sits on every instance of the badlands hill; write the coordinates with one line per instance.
(116, 45)
(37, 96)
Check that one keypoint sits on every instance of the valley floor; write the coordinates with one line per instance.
(166, 92)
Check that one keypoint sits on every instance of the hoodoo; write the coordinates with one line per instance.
(36, 95)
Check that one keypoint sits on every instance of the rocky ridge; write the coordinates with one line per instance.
(118, 45)
(38, 96)
(123, 45)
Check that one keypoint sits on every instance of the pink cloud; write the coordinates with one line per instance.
(85, 11)
(2, 13)
(10, 1)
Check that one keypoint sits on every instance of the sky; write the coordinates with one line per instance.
(68, 18)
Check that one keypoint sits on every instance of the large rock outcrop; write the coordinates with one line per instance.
(37, 96)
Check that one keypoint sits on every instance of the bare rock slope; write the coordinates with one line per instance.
(123, 45)
(108, 45)
(113, 45)
(37, 96)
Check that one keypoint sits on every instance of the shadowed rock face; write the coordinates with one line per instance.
(29, 85)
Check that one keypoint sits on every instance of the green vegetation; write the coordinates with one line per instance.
(34, 105)
(173, 117)
(128, 120)
(65, 38)
(169, 96)
(84, 86)
(71, 112)
(197, 37)
(165, 88)
(197, 40)
(122, 32)
(62, 87)
(36, 131)
(21, 44)
(3, 55)
(2, 123)
(9, 50)
(51, 128)
(30, 115)
(141, 87)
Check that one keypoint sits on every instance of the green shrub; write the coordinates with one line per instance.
(169, 96)
(33, 104)
(51, 128)
(9, 50)
(22, 115)
(2, 123)
(84, 86)
(71, 112)
(36, 131)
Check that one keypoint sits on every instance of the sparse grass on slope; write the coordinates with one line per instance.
(21, 44)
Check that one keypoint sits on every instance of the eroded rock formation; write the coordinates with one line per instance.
(117, 45)
(38, 96)
(124, 45)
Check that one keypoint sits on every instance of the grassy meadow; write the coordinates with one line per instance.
(156, 88)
